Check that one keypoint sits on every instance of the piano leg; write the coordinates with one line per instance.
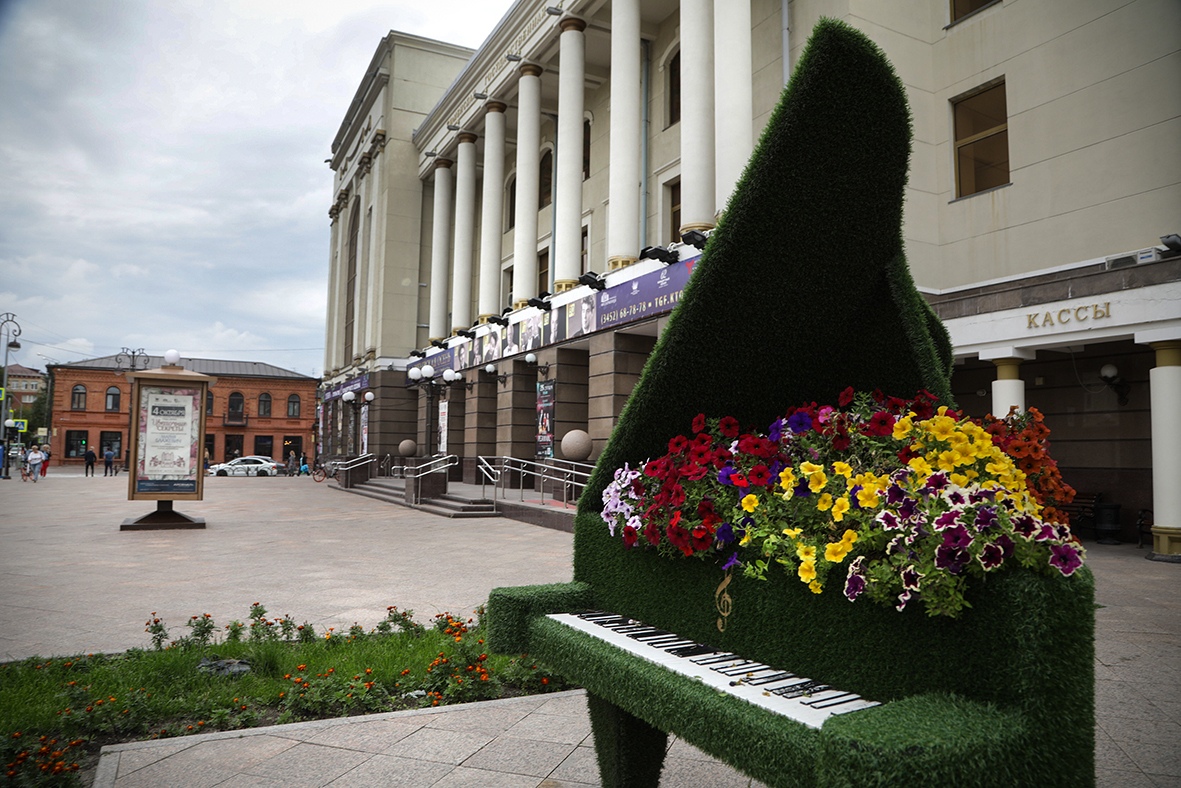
(629, 750)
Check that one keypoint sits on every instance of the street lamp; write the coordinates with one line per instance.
(11, 330)
(423, 377)
(350, 398)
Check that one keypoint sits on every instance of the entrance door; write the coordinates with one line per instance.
(233, 446)
(293, 443)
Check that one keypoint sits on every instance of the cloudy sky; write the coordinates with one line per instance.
(162, 182)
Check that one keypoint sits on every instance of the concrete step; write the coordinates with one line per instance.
(449, 505)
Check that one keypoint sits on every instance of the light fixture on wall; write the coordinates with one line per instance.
(1172, 241)
(540, 301)
(592, 280)
(695, 238)
(512, 57)
(466, 334)
(439, 343)
(418, 354)
(491, 370)
(553, 10)
(452, 127)
(479, 95)
(499, 320)
(531, 360)
(430, 154)
(1109, 374)
(665, 256)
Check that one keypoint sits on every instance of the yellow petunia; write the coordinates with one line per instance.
(792, 532)
(750, 502)
(920, 466)
(809, 468)
(835, 552)
(806, 553)
(787, 479)
(817, 481)
(815, 587)
(902, 427)
(842, 469)
(839, 508)
(849, 536)
(867, 498)
(941, 427)
(807, 571)
(824, 503)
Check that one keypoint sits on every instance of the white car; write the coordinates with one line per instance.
(247, 466)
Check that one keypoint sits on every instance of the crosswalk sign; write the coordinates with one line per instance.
(22, 425)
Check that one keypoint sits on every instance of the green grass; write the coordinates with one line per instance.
(72, 706)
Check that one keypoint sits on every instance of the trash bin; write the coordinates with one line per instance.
(1107, 523)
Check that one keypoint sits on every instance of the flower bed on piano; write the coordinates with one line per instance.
(893, 500)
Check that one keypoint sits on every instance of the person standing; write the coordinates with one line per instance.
(108, 462)
(34, 459)
(45, 462)
(90, 457)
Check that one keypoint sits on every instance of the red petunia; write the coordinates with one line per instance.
(846, 397)
(880, 424)
(699, 422)
(630, 536)
(678, 444)
(728, 426)
(759, 475)
(679, 538)
(702, 537)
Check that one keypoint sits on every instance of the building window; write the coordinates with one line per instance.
(264, 406)
(981, 141)
(545, 194)
(511, 204)
(237, 405)
(264, 446)
(113, 399)
(962, 8)
(76, 442)
(209, 403)
(506, 285)
(585, 248)
(585, 149)
(112, 441)
(293, 406)
(674, 89)
(543, 271)
(674, 211)
(78, 397)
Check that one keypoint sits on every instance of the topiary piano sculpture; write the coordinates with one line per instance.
(772, 571)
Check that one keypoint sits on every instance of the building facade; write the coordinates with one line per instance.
(588, 136)
(24, 386)
(252, 408)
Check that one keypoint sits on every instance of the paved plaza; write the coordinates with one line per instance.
(71, 581)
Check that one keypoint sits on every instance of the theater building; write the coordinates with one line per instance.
(252, 408)
(547, 193)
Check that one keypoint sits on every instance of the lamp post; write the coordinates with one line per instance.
(133, 359)
(423, 377)
(350, 398)
(10, 330)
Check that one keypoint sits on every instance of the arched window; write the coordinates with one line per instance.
(674, 89)
(545, 181)
(510, 203)
(113, 399)
(264, 405)
(293, 406)
(237, 407)
(78, 397)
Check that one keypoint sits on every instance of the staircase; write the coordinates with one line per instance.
(447, 505)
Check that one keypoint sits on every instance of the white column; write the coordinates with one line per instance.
(528, 175)
(361, 286)
(733, 95)
(465, 228)
(440, 249)
(623, 209)
(492, 208)
(1164, 382)
(332, 330)
(697, 115)
(568, 206)
(1008, 389)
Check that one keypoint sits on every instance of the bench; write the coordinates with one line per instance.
(1081, 510)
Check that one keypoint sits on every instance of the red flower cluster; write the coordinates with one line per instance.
(1025, 438)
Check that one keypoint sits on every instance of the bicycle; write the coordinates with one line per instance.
(321, 473)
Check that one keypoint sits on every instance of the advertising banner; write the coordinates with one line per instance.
(169, 440)
(545, 420)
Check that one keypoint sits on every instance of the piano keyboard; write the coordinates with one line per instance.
(801, 699)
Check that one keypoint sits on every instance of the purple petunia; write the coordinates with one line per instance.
(854, 585)
(724, 534)
(957, 537)
(985, 518)
(776, 432)
(952, 560)
(888, 519)
(731, 562)
(1026, 525)
(955, 498)
(947, 519)
(991, 557)
(903, 598)
(1065, 558)
(911, 577)
(800, 422)
(895, 494)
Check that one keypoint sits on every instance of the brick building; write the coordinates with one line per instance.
(253, 408)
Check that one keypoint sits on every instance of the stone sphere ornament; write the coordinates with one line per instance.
(577, 445)
(407, 448)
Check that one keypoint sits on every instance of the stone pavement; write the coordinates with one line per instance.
(71, 582)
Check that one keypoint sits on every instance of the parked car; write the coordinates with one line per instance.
(251, 465)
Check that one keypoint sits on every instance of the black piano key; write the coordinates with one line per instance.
(695, 650)
(780, 676)
(801, 690)
(655, 633)
(835, 700)
(715, 659)
(746, 666)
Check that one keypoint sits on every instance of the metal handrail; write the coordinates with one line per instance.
(567, 473)
(356, 462)
(488, 473)
(437, 465)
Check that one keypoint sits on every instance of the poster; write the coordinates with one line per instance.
(167, 456)
(442, 445)
(545, 420)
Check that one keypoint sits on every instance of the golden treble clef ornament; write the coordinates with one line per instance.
(723, 602)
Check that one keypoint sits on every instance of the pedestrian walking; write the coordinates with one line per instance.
(90, 457)
(303, 464)
(108, 462)
(34, 458)
(45, 462)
